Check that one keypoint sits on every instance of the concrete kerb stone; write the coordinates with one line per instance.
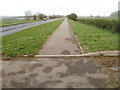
(92, 54)
(77, 40)
(79, 44)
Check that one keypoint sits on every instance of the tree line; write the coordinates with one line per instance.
(39, 16)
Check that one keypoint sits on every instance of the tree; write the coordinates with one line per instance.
(41, 16)
(28, 15)
(34, 17)
(72, 16)
(91, 16)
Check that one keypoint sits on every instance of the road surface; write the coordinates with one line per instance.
(15, 28)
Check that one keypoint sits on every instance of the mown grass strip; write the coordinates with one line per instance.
(95, 39)
(29, 41)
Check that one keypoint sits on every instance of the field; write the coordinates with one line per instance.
(93, 38)
(29, 41)
(110, 24)
(13, 22)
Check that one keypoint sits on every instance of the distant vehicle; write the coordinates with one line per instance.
(44, 19)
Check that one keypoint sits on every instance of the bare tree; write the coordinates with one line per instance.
(28, 15)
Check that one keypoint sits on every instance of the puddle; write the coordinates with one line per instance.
(81, 68)
(19, 72)
(65, 52)
(32, 75)
(30, 66)
(20, 84)
(98, 83)
(36, 65)
(71, 39)
(77, 50)
(47, 69)
(44, 84)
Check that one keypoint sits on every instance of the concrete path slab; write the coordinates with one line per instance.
(61, 42)
(58, 73)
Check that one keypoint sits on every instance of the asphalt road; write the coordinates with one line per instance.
(15, 28)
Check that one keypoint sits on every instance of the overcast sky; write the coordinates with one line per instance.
(61, 7)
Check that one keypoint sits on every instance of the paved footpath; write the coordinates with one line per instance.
(61, 42)
(59, 73)
(82, 72)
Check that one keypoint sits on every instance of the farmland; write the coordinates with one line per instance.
(93, 38)
(28, 41)
(15, 21)
(104, 23)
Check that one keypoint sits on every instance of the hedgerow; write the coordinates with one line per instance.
(110, 24)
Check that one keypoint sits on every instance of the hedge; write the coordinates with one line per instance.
(105, 23)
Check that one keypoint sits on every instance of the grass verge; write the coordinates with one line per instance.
(15, 22)
(29, 41)
(94, 39)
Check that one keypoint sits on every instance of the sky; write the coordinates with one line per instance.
(60, 7)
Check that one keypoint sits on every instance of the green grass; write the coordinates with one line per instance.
(105, 23)
(13, 22)
(29, 41)
(95, 39)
